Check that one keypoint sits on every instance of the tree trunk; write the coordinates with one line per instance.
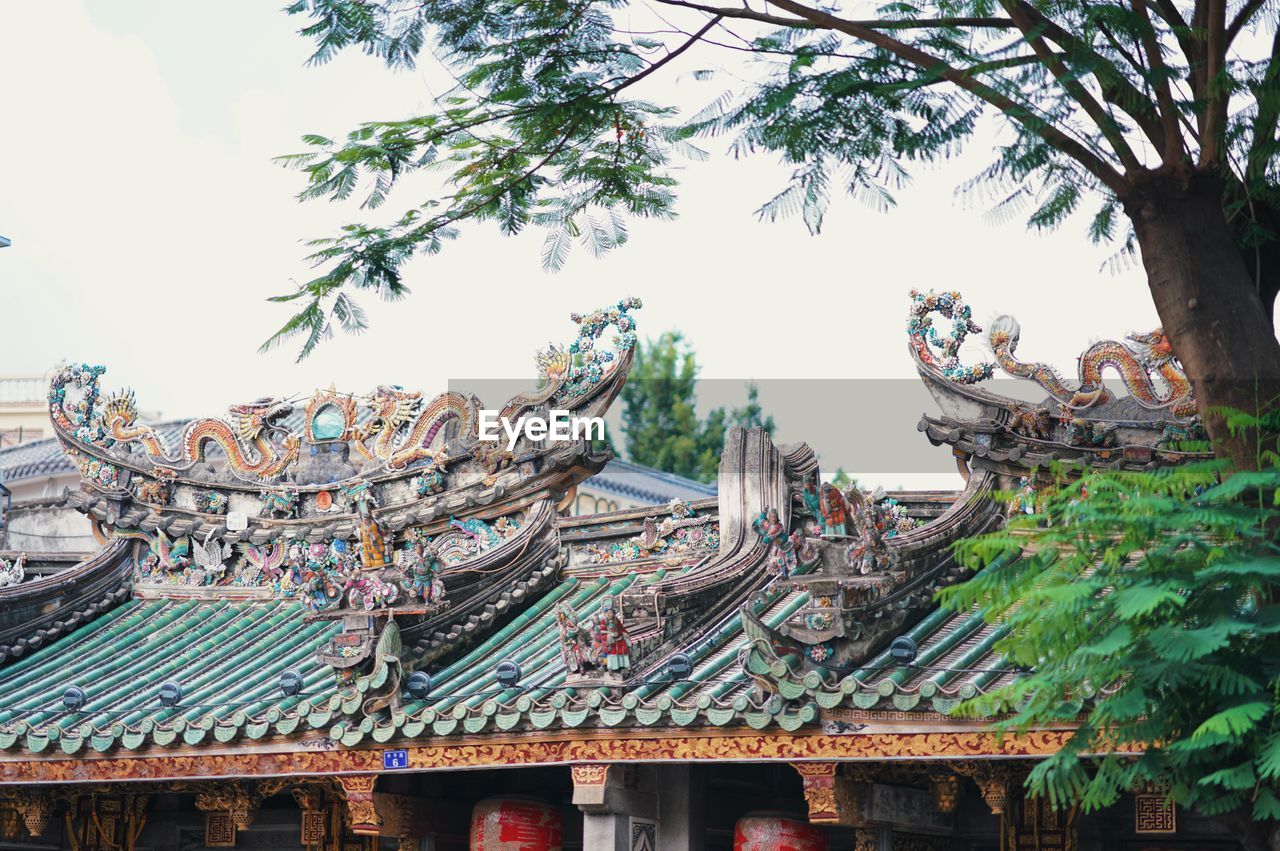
(1207, 300)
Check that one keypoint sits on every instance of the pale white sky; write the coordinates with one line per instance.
(148, 225)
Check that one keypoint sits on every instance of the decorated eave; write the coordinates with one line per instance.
(1082, 422)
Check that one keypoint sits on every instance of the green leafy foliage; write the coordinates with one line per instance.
(546, 126)
(661, 426)
(1145, 610)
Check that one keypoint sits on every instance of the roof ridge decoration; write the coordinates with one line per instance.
(1136, 360)
(1082, 421)
(856, 578)
(256, 452)
(395, 507)
(678, 538)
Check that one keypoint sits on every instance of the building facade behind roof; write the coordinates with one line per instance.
(623, 484)
(24, 414)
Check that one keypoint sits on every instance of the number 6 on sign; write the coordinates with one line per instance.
(395, 759)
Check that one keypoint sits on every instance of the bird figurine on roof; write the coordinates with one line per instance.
(13, 572)
(210, 558)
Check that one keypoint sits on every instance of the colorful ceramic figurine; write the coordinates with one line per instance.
(421, 563)
(211, 502)
(373, 545)
(782, 559)
(13, 572)
(812, 501)
(166, 556)
(320, 591)
(835, 510)
(611, 641)
(873, 525)
(575, 641)
(281, 503)
(366, 591)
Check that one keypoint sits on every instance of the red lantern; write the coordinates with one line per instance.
(515, 824)
(769, 832)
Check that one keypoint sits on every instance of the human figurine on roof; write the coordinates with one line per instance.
(575, 641)
(782, 557)
(611, 642)
(373, 544)
(421, 582)
(319, 590)
(835, 511)
(872, 529)
(812, 501)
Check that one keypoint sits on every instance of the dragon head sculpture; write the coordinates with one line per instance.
(253, 419)
(390, 408)
(1153, 347)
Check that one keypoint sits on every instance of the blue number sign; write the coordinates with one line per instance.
(395, 759)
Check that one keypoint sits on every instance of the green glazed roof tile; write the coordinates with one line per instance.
(226, 655)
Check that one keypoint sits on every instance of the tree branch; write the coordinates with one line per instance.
(746, 13)
(1216, 96)
(690, 42)
(1116, 88)
(1199, 19)
(1019, 112)
(1168, 110)
(1242, 18)
(1181, 30)
(1065, 76)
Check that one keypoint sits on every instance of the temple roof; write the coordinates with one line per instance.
(229, 656)
(771, 605)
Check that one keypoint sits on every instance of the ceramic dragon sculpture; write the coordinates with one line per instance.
(1137, 361)
(395, 411)
(400, 429)
(246, 438)
(247, 443)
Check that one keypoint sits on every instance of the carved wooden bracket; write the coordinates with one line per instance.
(97, 820)
(593, 785)
(590, 774)
(240, 801)
(820, 781)
(946, 792)
(357, 791)
(310, 800)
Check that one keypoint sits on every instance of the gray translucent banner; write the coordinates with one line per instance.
(865, 426)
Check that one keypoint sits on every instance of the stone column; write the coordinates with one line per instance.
(681, 808)
(612, 797)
